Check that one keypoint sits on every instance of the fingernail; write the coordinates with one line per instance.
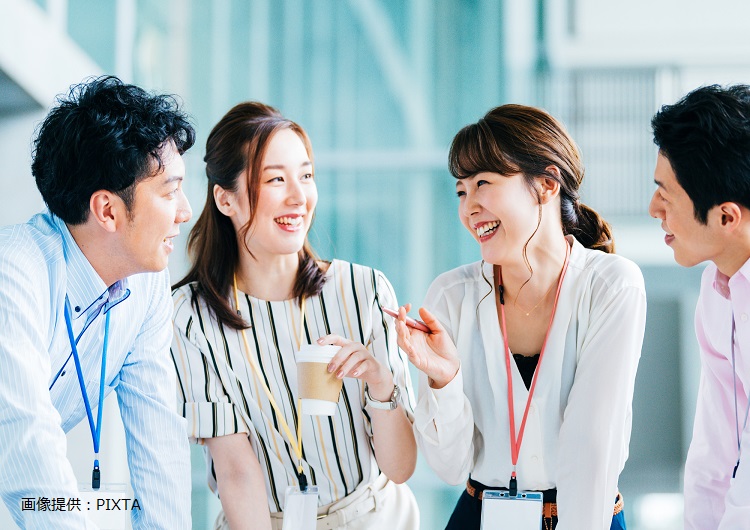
(320, 340)
(340, 374)
(330, 368)
(355, 373)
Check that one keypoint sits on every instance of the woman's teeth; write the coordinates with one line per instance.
(290, 221)
(487, 228)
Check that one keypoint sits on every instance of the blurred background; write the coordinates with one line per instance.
(382, 86)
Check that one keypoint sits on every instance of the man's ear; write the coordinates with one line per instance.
(107, 209)
(729, 215)
(224, 200)
(549, 187)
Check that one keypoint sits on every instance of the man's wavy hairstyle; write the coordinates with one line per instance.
(104, 134)
(706, 138)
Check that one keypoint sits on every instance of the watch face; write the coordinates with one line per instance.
(394, 397)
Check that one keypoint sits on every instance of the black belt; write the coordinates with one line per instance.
(549, 497)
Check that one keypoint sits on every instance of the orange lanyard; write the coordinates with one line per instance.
(294, 441)
(515, 440)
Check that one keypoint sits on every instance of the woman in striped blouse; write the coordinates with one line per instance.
(254, 284)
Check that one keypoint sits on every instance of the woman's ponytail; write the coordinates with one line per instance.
(585, 224)
(593, 231)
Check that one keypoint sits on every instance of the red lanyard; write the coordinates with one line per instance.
(515, 441)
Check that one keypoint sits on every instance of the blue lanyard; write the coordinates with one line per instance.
(736, 412)
(96, 430)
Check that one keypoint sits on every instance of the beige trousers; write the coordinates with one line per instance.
(380, 505)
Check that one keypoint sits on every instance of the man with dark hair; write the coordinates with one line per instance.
(85, 307)
(703, 201)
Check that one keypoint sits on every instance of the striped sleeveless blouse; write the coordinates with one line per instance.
(221, 395)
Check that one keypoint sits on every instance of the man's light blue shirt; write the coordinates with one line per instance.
(40, 397)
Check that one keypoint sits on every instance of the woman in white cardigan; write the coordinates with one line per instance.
(529, 369)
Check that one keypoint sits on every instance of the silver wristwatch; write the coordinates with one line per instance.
(383, 405)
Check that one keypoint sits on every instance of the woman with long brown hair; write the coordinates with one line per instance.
(529, 368)
(254, 295)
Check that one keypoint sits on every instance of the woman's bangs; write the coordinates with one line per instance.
(475, 149)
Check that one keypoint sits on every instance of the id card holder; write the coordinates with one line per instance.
(500, 511)
(301, 508)
(109, 507)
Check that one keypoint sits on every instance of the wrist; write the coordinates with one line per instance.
(380, 383)
(382, 389)
(437, 384)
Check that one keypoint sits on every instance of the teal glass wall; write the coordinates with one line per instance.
(381, 87)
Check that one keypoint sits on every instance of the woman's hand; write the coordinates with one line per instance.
(354, 360)
(433, 353)
(392, 434)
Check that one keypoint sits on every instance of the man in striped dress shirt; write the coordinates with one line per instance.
(91, 271)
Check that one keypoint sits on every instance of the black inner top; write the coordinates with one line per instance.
(526, 365)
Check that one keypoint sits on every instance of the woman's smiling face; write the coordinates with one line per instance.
(287, 196)
(501, 213)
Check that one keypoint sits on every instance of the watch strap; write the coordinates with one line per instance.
(391, 404)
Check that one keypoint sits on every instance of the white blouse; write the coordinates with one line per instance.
(578, 428)
(221, 395)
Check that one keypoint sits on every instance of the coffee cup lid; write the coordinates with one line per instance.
(316, 353)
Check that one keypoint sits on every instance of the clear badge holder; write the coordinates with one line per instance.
(301, 508)
(109, 507)
(500, 511)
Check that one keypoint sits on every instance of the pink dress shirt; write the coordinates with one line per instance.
(713, 500)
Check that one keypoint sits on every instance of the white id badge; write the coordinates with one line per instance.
(109, 507)
(301, 508)
(502, 512)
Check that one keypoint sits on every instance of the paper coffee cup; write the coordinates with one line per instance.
(318, 389)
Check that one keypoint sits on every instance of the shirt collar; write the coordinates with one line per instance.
(722, 283)
(86, 291)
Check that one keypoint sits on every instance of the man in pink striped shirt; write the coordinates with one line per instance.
(703, 201)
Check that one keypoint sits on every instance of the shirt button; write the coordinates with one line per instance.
(535, 459)
(744, 317)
